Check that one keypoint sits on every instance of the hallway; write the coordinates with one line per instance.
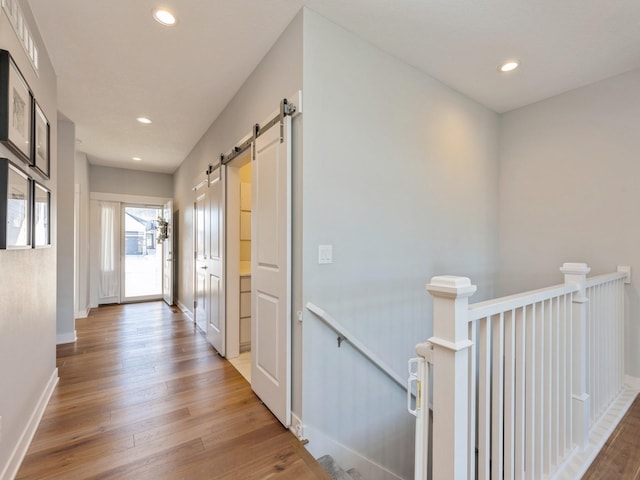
(142, 395)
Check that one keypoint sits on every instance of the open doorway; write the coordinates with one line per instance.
(239, 264)
(142, 255)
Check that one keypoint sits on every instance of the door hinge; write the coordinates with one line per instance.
(195, 304)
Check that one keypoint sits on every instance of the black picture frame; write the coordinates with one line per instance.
(41, 215)
(15, 207)
(16, 108)
(41, 141)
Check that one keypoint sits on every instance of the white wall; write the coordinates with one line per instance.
(27, 281)
(130, 182)
(278, 75)
(400, 176)
(65, 324)
(82, 235)
(569, 190)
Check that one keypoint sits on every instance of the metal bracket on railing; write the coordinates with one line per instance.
(425, 350)
(414, 376)
(419, 373)
(418, 370)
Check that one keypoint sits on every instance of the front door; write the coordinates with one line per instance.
(167, 254)
(270, 267)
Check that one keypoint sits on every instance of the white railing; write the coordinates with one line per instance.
(605, 362)
(517, 382)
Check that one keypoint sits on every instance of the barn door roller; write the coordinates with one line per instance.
(286, 109)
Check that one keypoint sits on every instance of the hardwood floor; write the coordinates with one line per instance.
(620, 456)
(142, 395)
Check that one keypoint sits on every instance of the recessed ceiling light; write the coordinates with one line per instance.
(137, 159)
(164, 16)
(144, 120)
(509, 66)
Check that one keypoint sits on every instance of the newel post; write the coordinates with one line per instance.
(451, 375)
(577, 273)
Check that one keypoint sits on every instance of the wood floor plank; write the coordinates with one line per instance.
(620, 456)
(143, 395)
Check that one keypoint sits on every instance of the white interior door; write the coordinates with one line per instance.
(271, 267)
(167, 255)
(215, 261)
(200, 215)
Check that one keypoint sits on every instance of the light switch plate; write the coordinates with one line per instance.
(325, 254)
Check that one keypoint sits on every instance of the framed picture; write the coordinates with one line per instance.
(40, 144)
(15, 108)
(15, 207)
(41, 216)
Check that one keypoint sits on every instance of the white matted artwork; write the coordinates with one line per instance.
(40, 153)
(19, 110)
(15, 196)
(15, 108)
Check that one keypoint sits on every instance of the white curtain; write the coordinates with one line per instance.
(109, 216)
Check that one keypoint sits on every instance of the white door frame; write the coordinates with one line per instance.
(94, 234)
(232, 187)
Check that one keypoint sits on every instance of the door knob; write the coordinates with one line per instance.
(204, 268)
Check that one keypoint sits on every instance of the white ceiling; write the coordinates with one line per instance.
(115, 63)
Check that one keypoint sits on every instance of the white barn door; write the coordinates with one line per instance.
(200, 216)
(215, 262)
(270, 270)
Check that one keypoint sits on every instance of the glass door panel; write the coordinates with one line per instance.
(142, 254)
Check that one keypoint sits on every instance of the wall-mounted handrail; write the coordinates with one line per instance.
(357, 344)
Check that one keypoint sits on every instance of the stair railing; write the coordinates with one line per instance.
(517, 382)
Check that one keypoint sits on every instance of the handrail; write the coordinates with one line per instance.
(359, 346)
(492, 307)
(607, 277)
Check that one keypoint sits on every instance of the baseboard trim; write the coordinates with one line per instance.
(17, 456)
(321, 444)
(62, 338)
(581, 460)
(187, 313)
(632, 382)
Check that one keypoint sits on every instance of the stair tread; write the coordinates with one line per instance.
(355, 474)
(336, 472)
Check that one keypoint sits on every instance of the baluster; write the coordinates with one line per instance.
(576, 273)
